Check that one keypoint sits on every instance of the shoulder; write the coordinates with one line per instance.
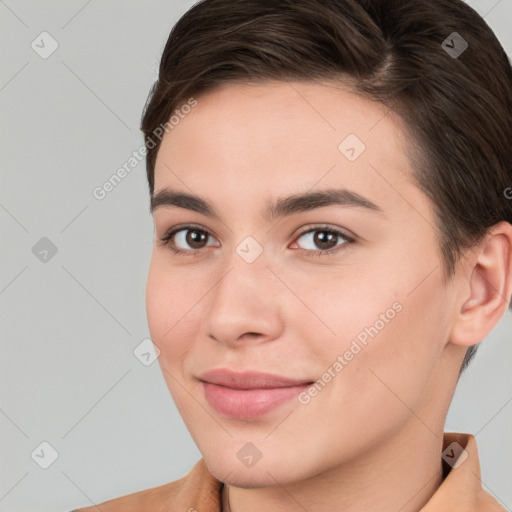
(462, 488)
(149, 499)
(197, 487)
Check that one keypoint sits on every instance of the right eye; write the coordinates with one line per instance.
(190, 235)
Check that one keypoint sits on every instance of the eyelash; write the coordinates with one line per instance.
(167, 238)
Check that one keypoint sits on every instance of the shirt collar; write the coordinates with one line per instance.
(461, 490)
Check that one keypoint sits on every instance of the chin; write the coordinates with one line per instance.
(265, 473)
(253, 478)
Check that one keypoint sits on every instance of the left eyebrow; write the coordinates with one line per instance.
(313, 200)
(280, 208)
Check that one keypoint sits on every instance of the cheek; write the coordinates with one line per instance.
(170, 311)
(169, 314)
(385, 326)
(159, 302)
(355, 307)
(393, 365)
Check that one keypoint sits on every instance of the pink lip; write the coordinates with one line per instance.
(248, 395)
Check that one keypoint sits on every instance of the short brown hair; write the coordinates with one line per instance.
(457, 108)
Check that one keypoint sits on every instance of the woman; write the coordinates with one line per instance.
(330, 186)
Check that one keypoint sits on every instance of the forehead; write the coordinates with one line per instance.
(263, 140)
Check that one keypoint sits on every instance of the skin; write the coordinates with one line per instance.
(372, 438)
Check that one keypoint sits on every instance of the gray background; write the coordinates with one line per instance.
(70, 325)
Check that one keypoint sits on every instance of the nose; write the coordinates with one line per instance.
(246, 304)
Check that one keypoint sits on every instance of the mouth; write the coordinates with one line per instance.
(248, 395)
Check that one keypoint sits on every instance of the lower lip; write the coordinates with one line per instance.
(248, 404)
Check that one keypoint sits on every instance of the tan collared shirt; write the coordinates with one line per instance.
(200, 491)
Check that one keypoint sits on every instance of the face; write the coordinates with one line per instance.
(341, 293)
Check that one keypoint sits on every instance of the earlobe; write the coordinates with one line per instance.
(490, 287)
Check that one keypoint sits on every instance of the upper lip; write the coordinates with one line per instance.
(248, 379)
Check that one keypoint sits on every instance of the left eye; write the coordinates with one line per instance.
(325, 239)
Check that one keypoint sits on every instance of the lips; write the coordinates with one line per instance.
(248, 395)
(249, 380)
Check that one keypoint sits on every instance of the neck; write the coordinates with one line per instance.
(401, 474)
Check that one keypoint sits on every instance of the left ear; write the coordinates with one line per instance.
(490, 287)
